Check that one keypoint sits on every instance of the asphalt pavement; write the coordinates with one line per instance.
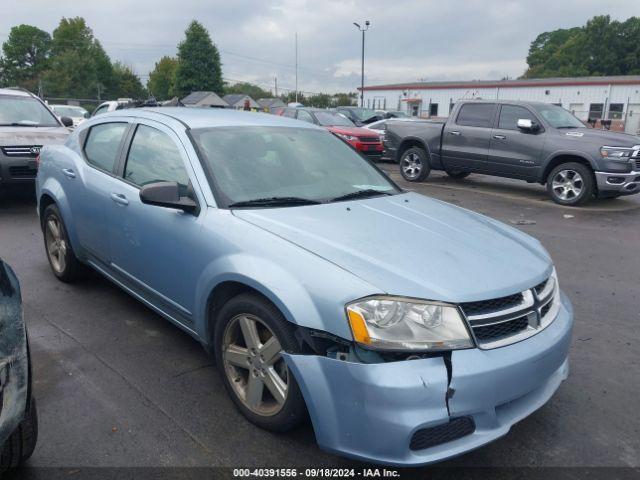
(119, 386)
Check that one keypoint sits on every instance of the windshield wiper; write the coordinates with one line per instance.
(19, 124)
(369, 192)
(569, 126)
(274, 202)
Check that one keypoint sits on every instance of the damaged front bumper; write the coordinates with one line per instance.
(386, 412)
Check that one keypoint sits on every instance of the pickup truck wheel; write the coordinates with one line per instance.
(458, 174)
(414, 165)
(250, 336)
(570, 184)
(61, 257)
(20, 445)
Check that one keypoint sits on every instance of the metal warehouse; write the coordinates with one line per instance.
(610, 102)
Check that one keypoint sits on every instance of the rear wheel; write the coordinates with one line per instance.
(570, 184)
(60, 254)
(458, 174)
(414, 165)
(251, 335)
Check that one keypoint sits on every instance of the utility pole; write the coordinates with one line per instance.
(275, 81)
(296, 67)
(366, 27)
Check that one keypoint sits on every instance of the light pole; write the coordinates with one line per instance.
(366, 27)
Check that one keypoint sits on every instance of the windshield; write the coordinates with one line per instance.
(363, 113)
(253, 163)
(333, 119)
(558, 117)
(69, 111)
(25, 112)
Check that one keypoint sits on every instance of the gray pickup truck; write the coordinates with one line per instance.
(535, 142)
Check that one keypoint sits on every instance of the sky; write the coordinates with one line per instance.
(408, 40)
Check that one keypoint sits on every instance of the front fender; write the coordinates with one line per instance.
(52, 188)
(544, 172)
(316, 305)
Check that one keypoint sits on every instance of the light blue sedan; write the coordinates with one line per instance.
(410, 330)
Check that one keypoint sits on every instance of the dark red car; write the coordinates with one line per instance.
(364, 140)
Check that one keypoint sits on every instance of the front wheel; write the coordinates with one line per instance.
(570, 184)
(250, 336)
(414, 165)
(20, 445)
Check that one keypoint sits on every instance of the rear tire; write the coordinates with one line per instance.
(20, 445)
(62, 259)
(246, 333)
(414, 165)
(457, 174)
(571, 184)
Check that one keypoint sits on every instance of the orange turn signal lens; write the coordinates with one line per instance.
(358, 327)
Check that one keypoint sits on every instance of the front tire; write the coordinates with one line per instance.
(414, 165)
(571, 184)
(250, 335)
(62, 259)
(20, 445)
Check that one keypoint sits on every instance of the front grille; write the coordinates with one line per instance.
(499, 330)
(22, 151)
(370, 139)
(22, 172)
(540, 287)
(545, 309)
(487, 306)
(638, 164)
(430, 437)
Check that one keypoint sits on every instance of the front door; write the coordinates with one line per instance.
(465, 141)
(154, 250)
(512, 151)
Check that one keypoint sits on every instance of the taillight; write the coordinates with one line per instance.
(37, 161)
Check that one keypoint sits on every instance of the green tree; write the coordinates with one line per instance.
(246, 88)
(127, 83)
(161, 79)
(199, 66)
(601, 47)
(25, 56)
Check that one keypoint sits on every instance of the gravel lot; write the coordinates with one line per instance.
(119, 386)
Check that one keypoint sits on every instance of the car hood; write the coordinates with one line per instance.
(605, 137)
(33, 135)
(414, 246)
(354, 131)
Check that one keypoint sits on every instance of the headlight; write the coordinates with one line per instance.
(348, 138)
(393, 323)
(616, 152)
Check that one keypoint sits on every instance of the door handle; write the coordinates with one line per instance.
(454, 132)
(120, 199)
(69, 173)
(500, 137)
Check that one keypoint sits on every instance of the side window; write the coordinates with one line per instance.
(103, 141)
(290, 113)
(100, 110)
(305, 116)
(510, 114)
(476, 115)
(154, 157)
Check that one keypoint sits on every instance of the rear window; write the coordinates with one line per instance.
(103, 142)
(476, 115)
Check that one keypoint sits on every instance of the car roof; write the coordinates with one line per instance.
(504, 101)
(15, 92)
(210, 117)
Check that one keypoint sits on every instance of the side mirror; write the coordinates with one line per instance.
(167, 194)
(66, 121)
(87, 115)
(528, 125)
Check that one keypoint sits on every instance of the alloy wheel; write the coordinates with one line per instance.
(56, 244)
(411, 165)
(254, 366)
(567, 185)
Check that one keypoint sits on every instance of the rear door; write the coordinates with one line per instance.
(466, 138)
(512, 151)
(88, 188)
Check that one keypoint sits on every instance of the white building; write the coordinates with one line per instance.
(609, 98)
